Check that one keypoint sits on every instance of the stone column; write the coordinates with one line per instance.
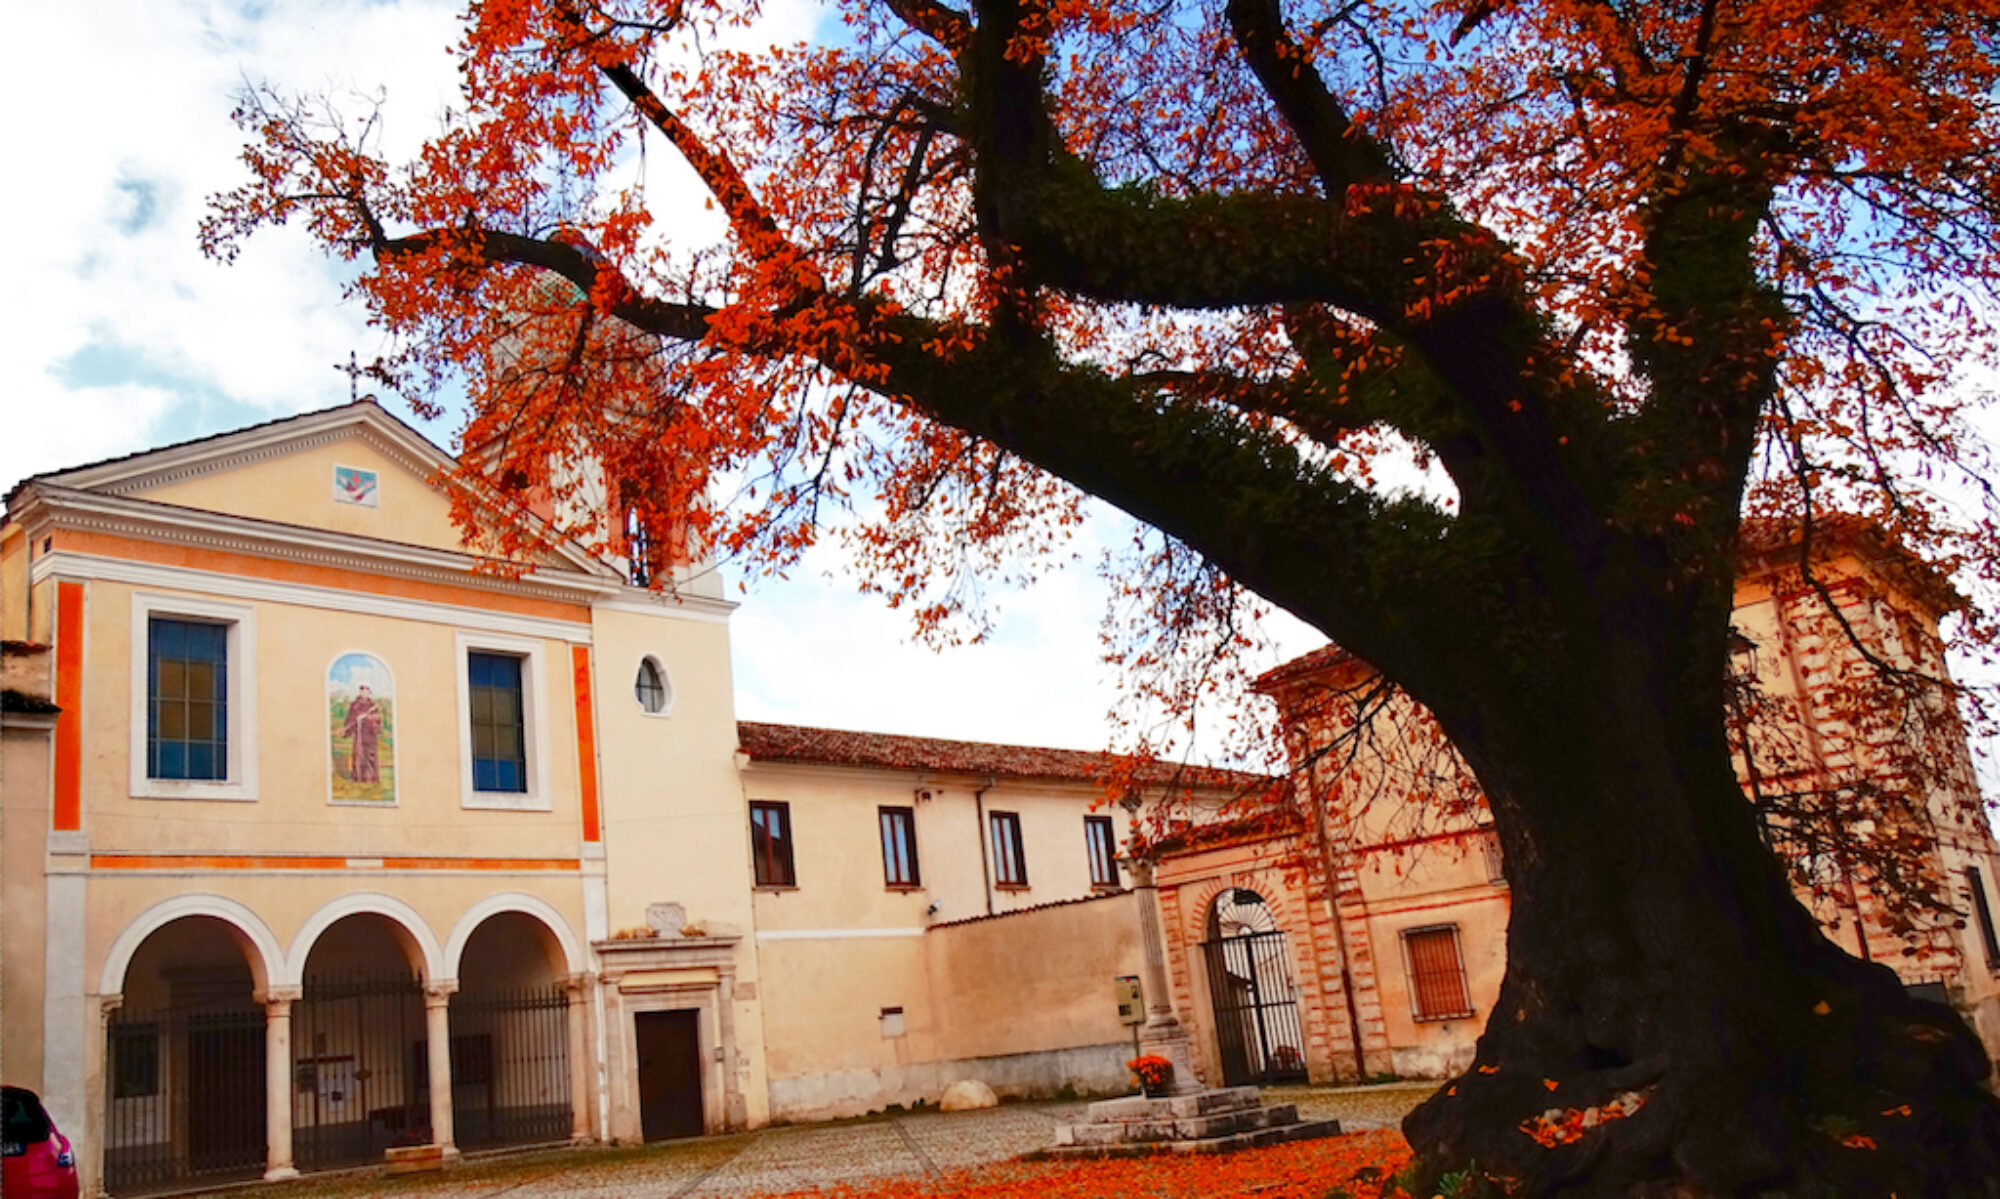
(1162, 1033)
(437, 1025)
(278, 1083)
(88, 1142)
(579, 1058)
(735, 1111)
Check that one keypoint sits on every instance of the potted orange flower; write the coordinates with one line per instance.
(1154, 1072)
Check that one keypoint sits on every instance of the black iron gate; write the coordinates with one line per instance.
(356, 1087)
(184, 1092)
(1256, 1008)
(510, 1067)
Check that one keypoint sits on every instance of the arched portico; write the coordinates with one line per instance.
(517, 1025)
(187, 1072)
(263, 955)
(404, 924)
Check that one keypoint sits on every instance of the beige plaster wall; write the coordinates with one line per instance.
(675, 826)
(297, 488)
(24, 828)
(292, 812)
(13, 582)
(1035, 980)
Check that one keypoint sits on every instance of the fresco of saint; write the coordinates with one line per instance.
(360, 696)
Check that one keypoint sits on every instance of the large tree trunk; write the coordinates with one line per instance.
(1672, 1021)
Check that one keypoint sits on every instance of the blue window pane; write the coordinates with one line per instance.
(187, 674)
(498, 728)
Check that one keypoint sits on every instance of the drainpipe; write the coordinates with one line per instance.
(985, 856)
(1339, 931)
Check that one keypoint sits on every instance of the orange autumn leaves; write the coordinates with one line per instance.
(1361, 1164)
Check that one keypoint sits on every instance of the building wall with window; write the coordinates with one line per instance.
(304, 750)
(880, 991)
(1391, 844)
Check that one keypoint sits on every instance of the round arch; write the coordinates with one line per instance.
(514, 901)
(359, 904)
(267, 963)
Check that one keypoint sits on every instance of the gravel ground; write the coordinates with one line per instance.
(795, 1158)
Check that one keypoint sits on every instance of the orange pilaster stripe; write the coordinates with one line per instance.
(68, 813)
(586, 740)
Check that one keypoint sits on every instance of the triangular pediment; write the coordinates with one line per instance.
(353, 470)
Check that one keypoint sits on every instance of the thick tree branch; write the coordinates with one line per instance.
(1341, 152)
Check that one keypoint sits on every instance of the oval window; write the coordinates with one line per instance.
(651, 687)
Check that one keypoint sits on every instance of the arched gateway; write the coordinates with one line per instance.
(1257, 1030)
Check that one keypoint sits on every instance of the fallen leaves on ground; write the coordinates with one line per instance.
(1303, 1170)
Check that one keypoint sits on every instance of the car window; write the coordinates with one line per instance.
(25, 1121)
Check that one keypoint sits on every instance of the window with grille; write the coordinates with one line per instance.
(1100, 841)
(899, 847)
(1985, 915)
(135, 1060)
(771, 843)
(1010, 862)
(1437, 973)
(187, 699)
(499, 722)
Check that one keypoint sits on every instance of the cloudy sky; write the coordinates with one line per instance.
(123, 336)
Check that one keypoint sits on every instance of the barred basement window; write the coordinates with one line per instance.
(1437, 973)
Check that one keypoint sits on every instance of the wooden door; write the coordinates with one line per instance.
(669, 1074)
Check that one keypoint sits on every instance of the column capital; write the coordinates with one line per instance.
(579, 984)
(271, 996)
(438, 991)
(107, 1004)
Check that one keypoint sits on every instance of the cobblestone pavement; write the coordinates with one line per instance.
(803, 1157)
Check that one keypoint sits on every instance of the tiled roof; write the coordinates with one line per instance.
(839, 747)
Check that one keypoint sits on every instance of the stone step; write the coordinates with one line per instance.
(1307, 1130)
(1180, 1128)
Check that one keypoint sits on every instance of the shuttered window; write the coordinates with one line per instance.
(1437, 974)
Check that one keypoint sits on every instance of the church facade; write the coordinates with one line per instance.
(328, 839)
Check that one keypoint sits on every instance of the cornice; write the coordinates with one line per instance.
(65, 508)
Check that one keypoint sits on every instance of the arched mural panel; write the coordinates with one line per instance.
(361, 730)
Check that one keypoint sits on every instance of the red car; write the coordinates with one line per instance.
(38, 1163)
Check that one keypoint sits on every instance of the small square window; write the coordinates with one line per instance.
(135, 1060)
(899, 847)
(771, 843)
(1010, 861)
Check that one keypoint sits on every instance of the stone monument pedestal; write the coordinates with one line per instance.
(1214, 1121)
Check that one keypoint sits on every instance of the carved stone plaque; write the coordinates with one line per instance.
(666, 919)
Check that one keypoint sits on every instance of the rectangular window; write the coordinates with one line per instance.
(899, 847)
(499, 725)
(1010, 863)
(135, 1060)
(771, 843)
(1984, 913)
(1437, 975)
(1100, 840)
(187, 699)
(1496, 866)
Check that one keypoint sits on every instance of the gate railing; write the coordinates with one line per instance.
(184, 1094)
(1257, 1030)
(510, 1066)
(356, 1087)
